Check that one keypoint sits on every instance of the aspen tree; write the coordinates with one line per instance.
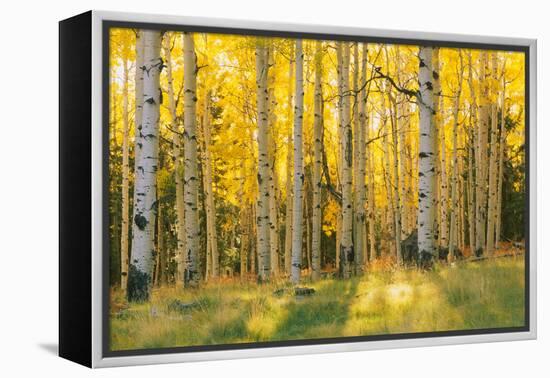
(124, 235)
(370, 191)
(358, 180)
(297, 213)
(362, 160)
(440, 153)
(502, 143)
(289, 170)
(211, 234)
(138, 82)
(481, 156)
(272, 158)
(143, 227)
(192, 274)
(426, 176)
(472, 158)
(176, 156)
(493, 161)
(346, 243)
(317, 158)
(453, 233)
(262, 216)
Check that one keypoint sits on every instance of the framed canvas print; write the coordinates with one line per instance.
(233, 189)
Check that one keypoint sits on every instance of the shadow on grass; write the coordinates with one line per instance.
(322, 315)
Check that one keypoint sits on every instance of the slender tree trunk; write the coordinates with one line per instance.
(140, 270)
(298, 167)
(472, 181)
(360, 215)
(481, 158)
(340, 152)
(493, 161)
(426, 180)
(317, 159)
(138, 81)
(192, 274)
(272, 158)
(262, 98)
(289, 170)
(124, 237)
(501, 155)
(347, 258)
(358, 229)
(161, 248)
(178, 171)
(370, 193)
(212, 238)
(442, 188)
(453, 235)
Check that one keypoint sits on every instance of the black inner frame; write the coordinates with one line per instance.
(105, 326)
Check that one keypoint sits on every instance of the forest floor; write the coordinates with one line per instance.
(466, 295)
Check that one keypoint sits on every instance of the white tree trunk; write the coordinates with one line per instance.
(212, 238)
(289, 170)
(453, 233)
(440, 156)
(262, 219)
(317, 159)
(426, 165)
(502, 147)
(370, 191)
(124, 235)
(297, 213)
(192, 274)
(272, 157)
(481, 157)
(178, 173)
(138, 82)
(493, 161)
(140, 271)
(347, 258)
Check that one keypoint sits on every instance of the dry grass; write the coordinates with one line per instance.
(476, 295)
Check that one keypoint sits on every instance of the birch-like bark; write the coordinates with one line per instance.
(143, 228)
(297, 213)
(426, 164)
(138, 143)
(178, 174)
(211, 237)
(481, 156)
(124, 235)
(272, 158)
(370, 194)
(440, 153)
(502, 147)
(493, 161)
(317, 159)
(453, 233)
(262, 220)
(340, 63)
(472, 183)
(360, 216)
(347, 258)
(192, 275)
(358, 229)
(289, 170)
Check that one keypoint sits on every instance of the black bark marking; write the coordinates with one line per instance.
(138, 285)
(140, 221)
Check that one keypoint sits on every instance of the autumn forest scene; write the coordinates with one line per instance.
(271, 189)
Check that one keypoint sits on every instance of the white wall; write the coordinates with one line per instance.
(28, 210)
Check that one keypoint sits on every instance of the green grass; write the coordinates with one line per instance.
(487, 294)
